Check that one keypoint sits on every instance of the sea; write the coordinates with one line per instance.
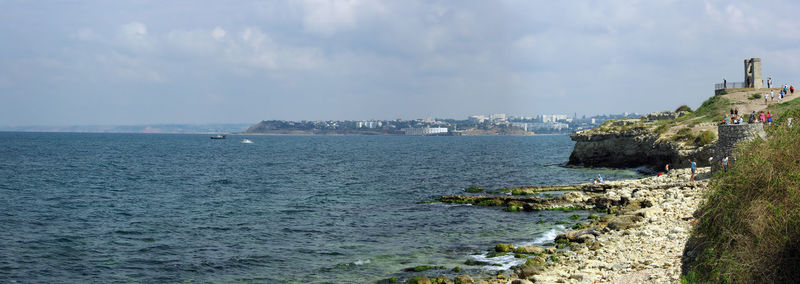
(153, 208)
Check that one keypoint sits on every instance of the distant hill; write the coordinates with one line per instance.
(148, 128)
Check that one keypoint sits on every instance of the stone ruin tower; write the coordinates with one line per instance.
(752, 73)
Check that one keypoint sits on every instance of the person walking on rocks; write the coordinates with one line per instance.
(766, 96)
(772, 96)
(769, 118)
(693, 163)
(725, 163)
(761, 117)
(791, 89)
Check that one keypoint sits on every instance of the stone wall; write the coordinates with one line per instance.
(729, 136)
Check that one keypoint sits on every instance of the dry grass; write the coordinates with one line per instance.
(749, 229)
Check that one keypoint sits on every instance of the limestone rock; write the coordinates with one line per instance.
(504, 247)
(579, 235)
(521, 281)
(529, 250)
(463, 279)
(528, 271)
(623, 222)
(573, 196)
(419, 280)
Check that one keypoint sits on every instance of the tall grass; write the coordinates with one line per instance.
(712, 109)
(749, 226)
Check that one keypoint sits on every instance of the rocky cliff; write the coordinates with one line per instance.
(635, 143)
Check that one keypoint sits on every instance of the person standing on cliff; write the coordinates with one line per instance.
(769, 82)
(724, 83)
(693, 163)
(766, 97)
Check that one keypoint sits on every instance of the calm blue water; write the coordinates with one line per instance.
(175, 208)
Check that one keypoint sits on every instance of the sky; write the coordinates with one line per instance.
(146, 62)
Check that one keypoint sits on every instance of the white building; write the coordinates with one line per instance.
(425, 131)
(477, 118)
(368, 124)
(498, 117)
(554, 117)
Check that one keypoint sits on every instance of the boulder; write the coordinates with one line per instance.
(419, 280)
(521, 281)
(441, 280)
(529, 250)
(648, 212)
(529, 271)
(504, 247)
(463, 279)
(573, 196)
(623, 222)
(579, 235)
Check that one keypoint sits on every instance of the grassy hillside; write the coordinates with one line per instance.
(699, 127)
(749, 227)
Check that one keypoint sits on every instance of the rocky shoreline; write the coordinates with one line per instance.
(641, 240)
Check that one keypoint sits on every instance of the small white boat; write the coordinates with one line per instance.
(247, 141)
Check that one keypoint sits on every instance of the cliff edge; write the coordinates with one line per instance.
(672, 137)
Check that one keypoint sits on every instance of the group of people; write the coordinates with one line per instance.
(693, 165)
(785, 91)
(735, 118)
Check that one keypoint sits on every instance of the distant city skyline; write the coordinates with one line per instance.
(205, 62)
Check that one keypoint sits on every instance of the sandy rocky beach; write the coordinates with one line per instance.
(642, 244)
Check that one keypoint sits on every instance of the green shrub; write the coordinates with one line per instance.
(704, 138)
(684, 134)
(754, 97)
(574, 217)
(710, 110)
(663, 127)
(683, 108)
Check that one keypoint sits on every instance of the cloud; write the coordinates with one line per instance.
(327, 17)
(134, 37)
(218, 33)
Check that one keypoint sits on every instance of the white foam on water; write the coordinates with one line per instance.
(362, 262)
(546, 237)
(505, 262)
